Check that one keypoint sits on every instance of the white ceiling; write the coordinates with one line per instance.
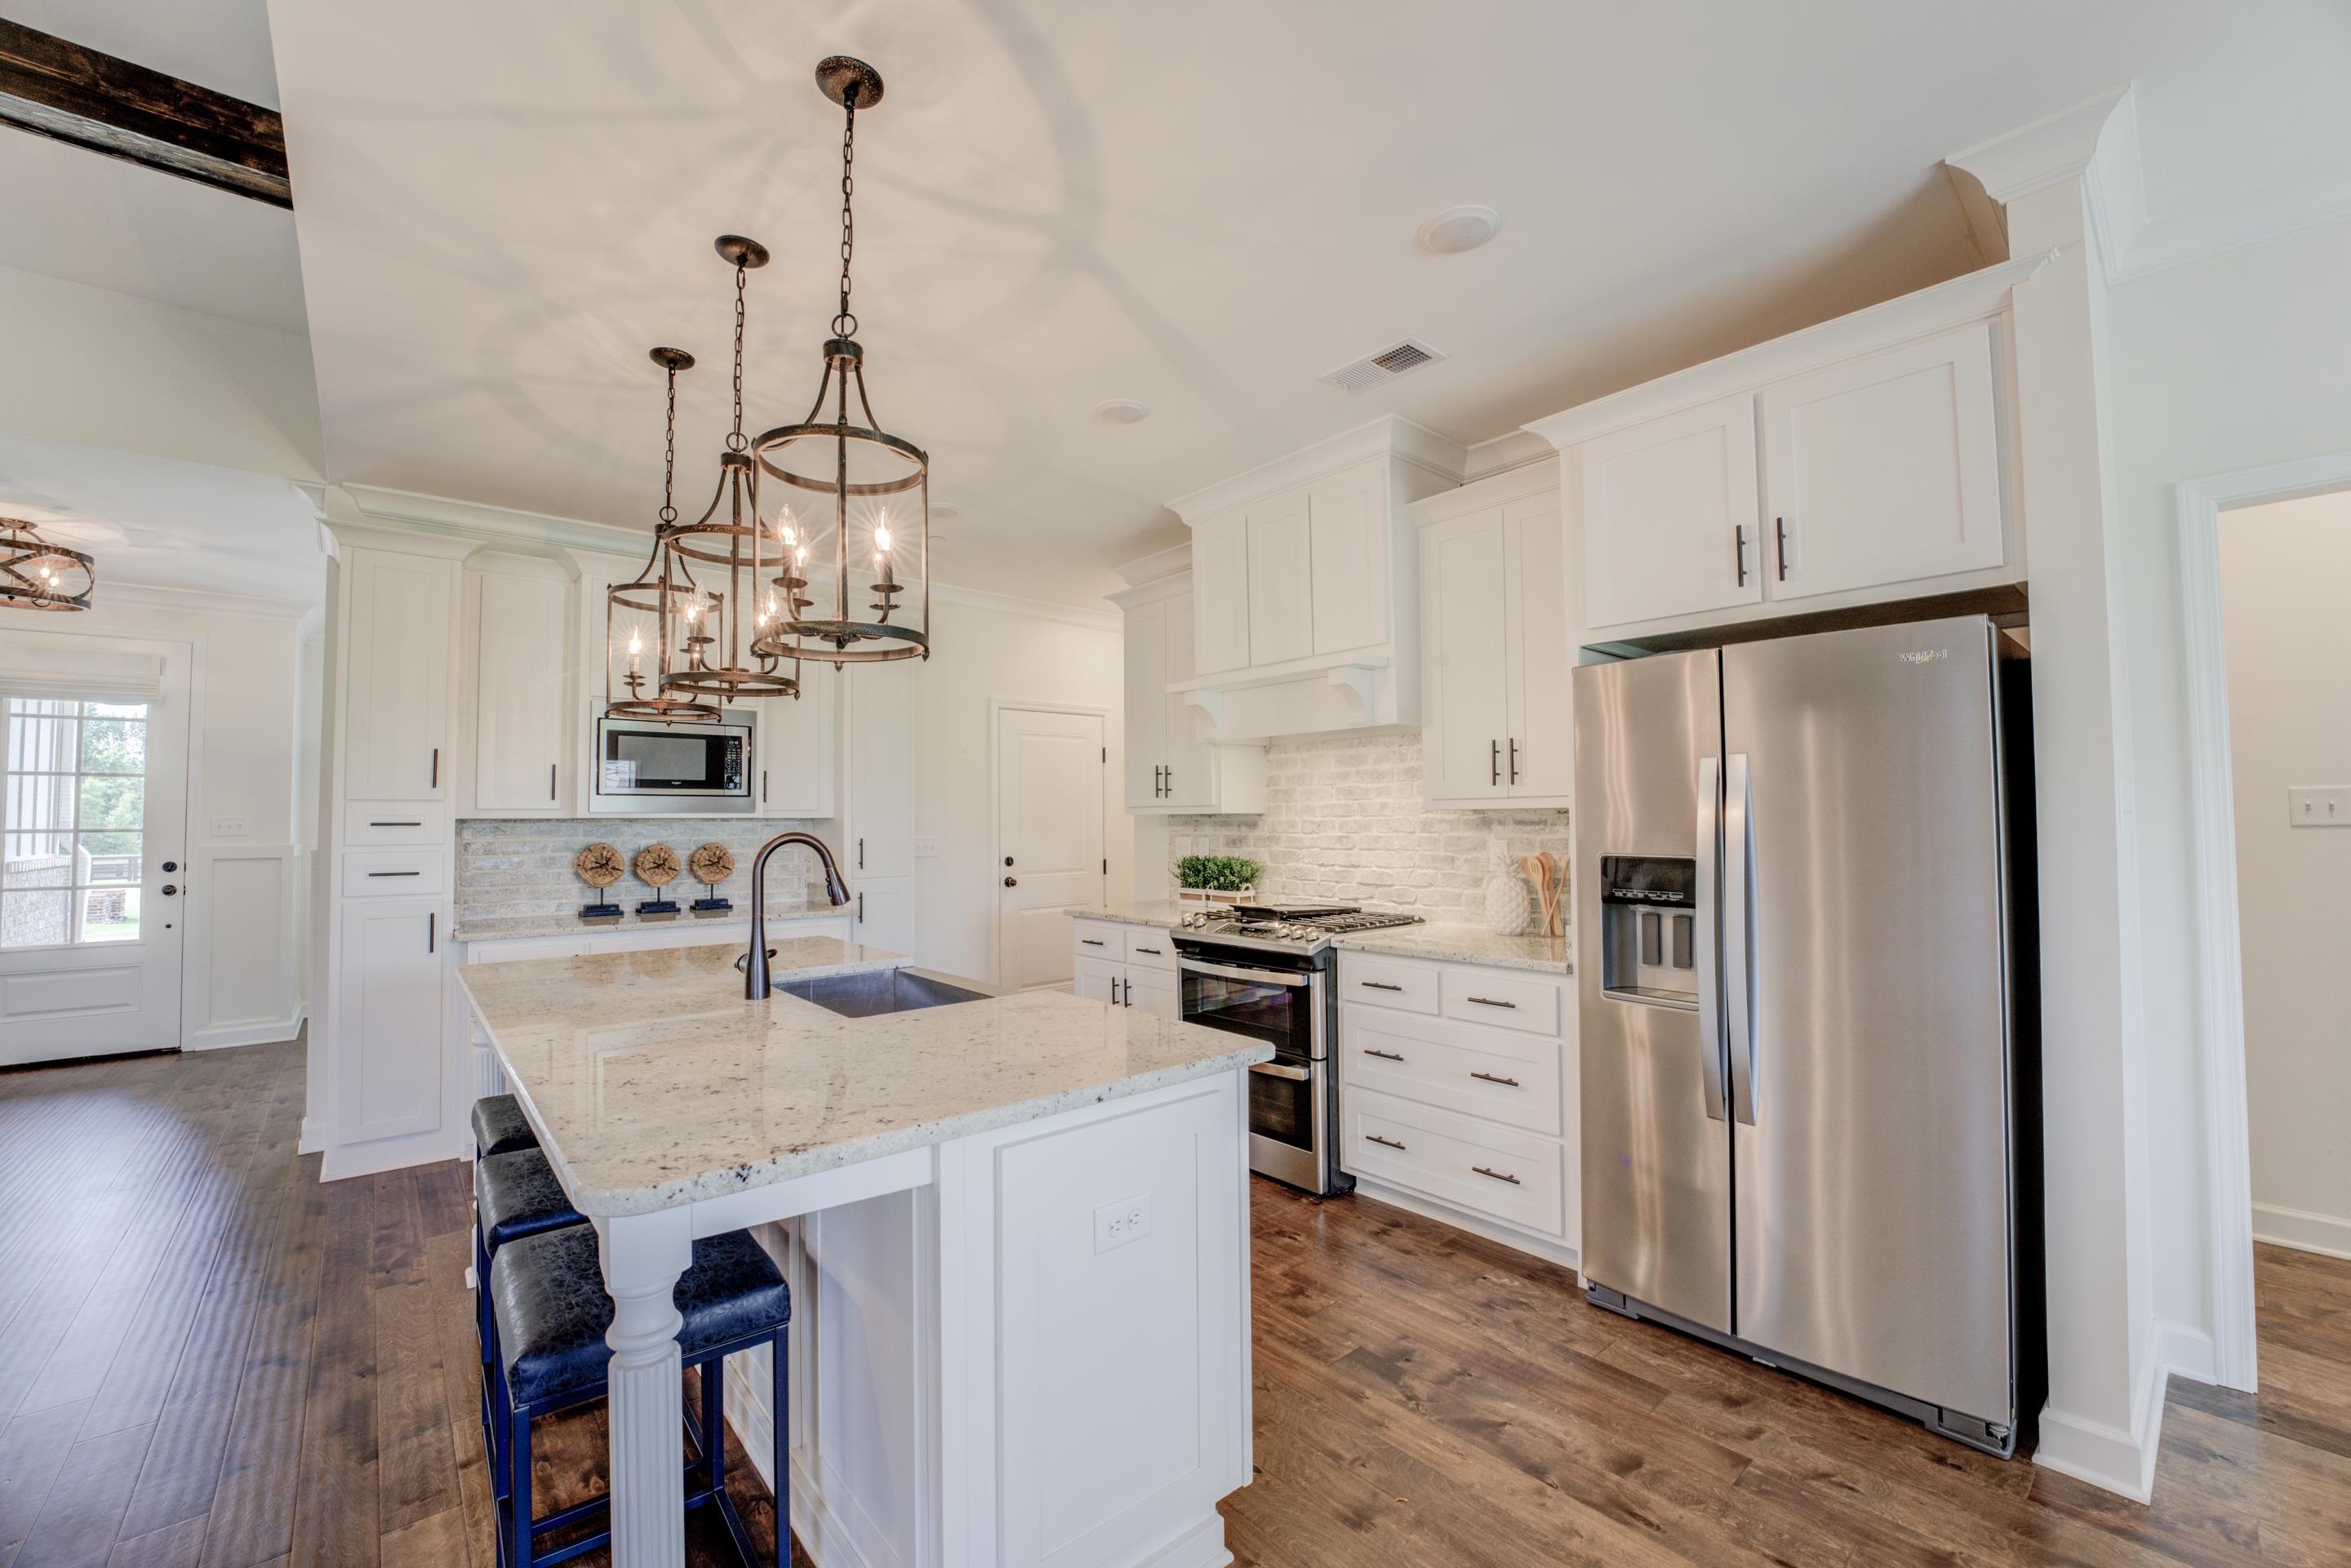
(499, 207)
(166, 524)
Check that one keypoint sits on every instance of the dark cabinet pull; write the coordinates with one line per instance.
(436, 768)
(1092, 941)
(1153, 951)
(1781, 525)
(395, 825)
(1388, 1143)
(1489, 1078)
(1378, 985)
(431, 930)
(1491, 1002)
(861, 854)
(550, 780)
(763, 786)
(1497, 762)
(1127, 998)
(1382, 1055)
(1171, 780)
(1498, 1175)
(860, 909)
(1739, 550)
(1514, 760)
(395, 873)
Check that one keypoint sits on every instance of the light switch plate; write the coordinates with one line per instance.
(926, 849)
(1117, 1224)
(231, 827)
(2319, 805)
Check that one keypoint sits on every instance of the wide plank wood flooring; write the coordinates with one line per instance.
(206, 1357)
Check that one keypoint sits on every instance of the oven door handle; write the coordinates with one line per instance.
(1282, 1070)
(1248, 977)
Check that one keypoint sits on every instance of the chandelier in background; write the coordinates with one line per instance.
(646, 620)
(38, 575)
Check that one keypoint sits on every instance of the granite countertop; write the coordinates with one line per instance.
(1166, 916)
(1464, 945)
(497, 928)
(652, 1083)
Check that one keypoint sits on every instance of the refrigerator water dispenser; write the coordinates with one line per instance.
(1648, 929)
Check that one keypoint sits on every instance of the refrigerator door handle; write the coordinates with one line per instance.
(1738, 932)
(1709, 860)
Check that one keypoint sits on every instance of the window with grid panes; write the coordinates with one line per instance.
(72, 848)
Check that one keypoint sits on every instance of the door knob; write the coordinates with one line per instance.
(171, 865)
(169, 890)
(1012, 881)
(1008, 859)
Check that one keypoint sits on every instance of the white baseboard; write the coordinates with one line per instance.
(1429, 1209)
(2302, 1230)
(261, 1031)
(314, 1136)
(2188, 1352)
(2104, 1456)
(387, 1154)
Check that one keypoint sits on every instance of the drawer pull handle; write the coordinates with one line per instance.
(1092, 941)
(1498, 1175)
(1153, 951)
(1489, 1078)
(1382, 1055)
(1389, 1142)
(1492, 1002)
(395, 825)
(1378, 985)
(395, 873)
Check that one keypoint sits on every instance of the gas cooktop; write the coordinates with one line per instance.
(1301, 927)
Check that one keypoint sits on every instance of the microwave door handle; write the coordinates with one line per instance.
(1739, 982)
(1709, 982)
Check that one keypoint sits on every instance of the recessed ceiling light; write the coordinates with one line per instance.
(943, 508)
(1122, 411)
(1457, 229)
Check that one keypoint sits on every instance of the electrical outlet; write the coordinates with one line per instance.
(2319, 805)
(230, 827)
(926, 849)
(1117, 1224)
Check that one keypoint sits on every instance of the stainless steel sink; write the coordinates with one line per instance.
(877, 991)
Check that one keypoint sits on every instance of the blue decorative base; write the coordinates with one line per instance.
(600, 912)
(709, 907)
(657, 909)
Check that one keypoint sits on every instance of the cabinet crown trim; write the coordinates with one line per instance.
(1511, 484)
(1969, 297)
(1158, 567)
(1391, 435)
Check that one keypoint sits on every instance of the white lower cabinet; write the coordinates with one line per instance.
(1458, 1095)
(387, 1035)
(1127, 967)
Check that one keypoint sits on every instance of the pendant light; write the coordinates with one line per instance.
(38, 575)
(854, 530)
(645, 618)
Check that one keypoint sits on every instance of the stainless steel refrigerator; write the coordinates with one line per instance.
(1803, 948)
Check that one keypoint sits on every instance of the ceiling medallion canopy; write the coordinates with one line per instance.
(852, 530)
(38, 575)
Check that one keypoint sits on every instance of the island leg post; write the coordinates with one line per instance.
(644, 1254)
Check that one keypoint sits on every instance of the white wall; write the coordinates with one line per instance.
(242, 976)
(2235, 363)
(985, 649)
(2283, 571)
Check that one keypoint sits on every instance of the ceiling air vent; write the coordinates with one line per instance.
(1376, 370)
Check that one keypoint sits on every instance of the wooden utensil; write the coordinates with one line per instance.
(1534, 866)
(1553, 883)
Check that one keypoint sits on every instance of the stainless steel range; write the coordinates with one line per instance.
(1264, 970)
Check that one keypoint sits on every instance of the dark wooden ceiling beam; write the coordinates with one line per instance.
(55, 87)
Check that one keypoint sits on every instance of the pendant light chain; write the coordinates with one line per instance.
(669, 456)
(845, 325)
(735, 442)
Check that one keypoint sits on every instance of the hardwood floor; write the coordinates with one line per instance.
(207, 1358)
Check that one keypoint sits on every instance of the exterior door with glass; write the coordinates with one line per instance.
(93, 861)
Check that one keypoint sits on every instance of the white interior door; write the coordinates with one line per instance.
(91, 923)
(1049, 834)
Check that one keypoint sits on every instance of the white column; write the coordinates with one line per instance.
(644, 1254)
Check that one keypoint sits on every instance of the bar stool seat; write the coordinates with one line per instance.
(552, 1312)
(517, 1194)
(500, 1127)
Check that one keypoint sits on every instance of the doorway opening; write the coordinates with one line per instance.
(1051, 810)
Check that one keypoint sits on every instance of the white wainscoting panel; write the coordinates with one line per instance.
(244, 976)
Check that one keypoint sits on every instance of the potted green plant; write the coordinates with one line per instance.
(1215, 879)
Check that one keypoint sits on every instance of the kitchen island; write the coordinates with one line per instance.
(1016, 1229)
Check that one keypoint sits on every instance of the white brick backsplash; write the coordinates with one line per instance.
(1343, 820)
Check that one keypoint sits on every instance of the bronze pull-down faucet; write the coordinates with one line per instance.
(755, 962)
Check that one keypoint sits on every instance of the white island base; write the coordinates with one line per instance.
(1027, 1347)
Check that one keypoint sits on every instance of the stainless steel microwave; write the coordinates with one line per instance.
(649, 769)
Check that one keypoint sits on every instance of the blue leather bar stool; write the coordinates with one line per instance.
(547, 1295)
(515, 1195)
(500, 1127)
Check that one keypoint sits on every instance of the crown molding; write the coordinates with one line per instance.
(484, 523)
(1513, 449)
(203, 602)
(1972, 297)
(1157, 565)
(1092, 620)
(1389, 435)
(1512, 483)
(2055, 147)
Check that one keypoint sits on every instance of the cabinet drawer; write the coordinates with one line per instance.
(1149, 947)
(1515, 1178)
(1482, 996)
(395, 873)
(1100, 939)
(367, 823)
(1388, 983)
(1495, 1073)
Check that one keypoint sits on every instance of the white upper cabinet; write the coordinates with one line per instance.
(1280, 580)
(1147, 701)
(1884, 469)
(1349, 522)
(519, 638)
(396, 681)
(1669, 516)
(1220, 577)
(797, 745)
(1494, 643)
(1170, 765)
